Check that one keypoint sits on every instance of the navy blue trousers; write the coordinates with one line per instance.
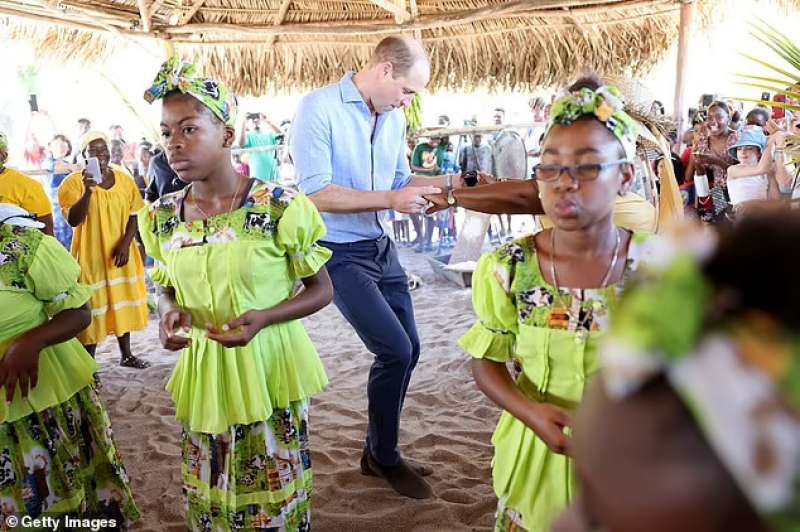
(371, 292)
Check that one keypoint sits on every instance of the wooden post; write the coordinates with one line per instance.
(685, 31)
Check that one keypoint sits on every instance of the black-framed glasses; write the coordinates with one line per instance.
(547, 173)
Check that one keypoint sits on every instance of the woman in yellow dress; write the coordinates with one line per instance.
(103, 215)
(23, 191)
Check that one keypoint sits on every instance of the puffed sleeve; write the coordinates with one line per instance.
(136, 201)
(53, 274)
(39, 203)
(70, 192)
(299, 231)
(493, 336)
(146, 219)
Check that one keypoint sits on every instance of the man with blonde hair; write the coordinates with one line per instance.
(348, 144)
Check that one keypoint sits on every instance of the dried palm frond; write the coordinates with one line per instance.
(259, 46)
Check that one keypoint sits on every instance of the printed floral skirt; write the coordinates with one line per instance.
(63, 461)
(507, 519)
(253, 477)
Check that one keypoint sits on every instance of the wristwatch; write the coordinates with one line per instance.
(451, 199)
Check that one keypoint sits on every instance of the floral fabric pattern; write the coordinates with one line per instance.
(606, 105)
(254, 476)
(63, 461)
(182, 76)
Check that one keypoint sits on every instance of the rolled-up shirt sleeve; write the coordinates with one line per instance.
(310, 146)
(402, 174)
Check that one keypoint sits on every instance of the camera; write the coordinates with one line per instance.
(253, 116)
(470, 178)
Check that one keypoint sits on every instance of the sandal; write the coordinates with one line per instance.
(133, 362)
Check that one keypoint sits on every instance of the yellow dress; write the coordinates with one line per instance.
(119, 295)
(25, 192)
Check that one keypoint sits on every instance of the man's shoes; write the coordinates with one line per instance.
(403, 478)
(421, 469)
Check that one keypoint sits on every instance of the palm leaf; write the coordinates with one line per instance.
(772, 67)
(779, 42)
(777, 90)
(781, 105)
(781, 82)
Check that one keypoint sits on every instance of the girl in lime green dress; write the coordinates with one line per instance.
(230, 255)
(543, 301)
(57, 452)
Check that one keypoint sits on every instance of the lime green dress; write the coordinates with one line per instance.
(57, 453)
(553, 339)
(244, 410)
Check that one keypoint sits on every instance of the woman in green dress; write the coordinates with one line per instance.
(57, 453)
(231, 252)
(543, 301)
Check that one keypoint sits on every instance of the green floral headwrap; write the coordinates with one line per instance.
(3, 141)
(181, 76)
(606, 105)
(740, 380)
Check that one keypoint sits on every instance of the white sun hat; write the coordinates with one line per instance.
(11, 214)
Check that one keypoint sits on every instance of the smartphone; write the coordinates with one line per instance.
(765, 97)
(93, 167)
(779, 112)
(34, 105)
(706, 100)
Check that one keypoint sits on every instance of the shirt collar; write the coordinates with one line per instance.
(349, 90)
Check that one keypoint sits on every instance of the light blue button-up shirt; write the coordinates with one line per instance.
(335, 139)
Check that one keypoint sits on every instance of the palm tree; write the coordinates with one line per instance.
(783, 77)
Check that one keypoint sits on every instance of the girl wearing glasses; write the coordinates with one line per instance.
(542, 301)
(57, 452)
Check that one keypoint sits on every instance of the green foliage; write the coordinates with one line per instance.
(414, 115)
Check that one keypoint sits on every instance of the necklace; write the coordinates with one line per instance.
(580, 332)
(230, 208)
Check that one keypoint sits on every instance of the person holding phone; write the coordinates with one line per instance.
(709, 162)
(263, 164)
(18, 189)
(100, 203)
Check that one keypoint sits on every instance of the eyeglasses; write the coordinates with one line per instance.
(547, 173)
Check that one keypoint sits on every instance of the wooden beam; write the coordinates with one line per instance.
(192, 12)
(412, 4)
(685, 31)
(401, 15)
(279, 18)
(155, 6)
(144, 15)
(515, 8)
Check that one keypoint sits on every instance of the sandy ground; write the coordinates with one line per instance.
(446, 423)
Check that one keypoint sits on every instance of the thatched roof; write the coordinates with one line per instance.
(262, 45)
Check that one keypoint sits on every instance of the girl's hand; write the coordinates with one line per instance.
(173, 329)
(549, 422)
(240, 331)
(20, 367)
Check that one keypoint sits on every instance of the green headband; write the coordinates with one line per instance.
(739, 381)
(181, 76)
(606, 105)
